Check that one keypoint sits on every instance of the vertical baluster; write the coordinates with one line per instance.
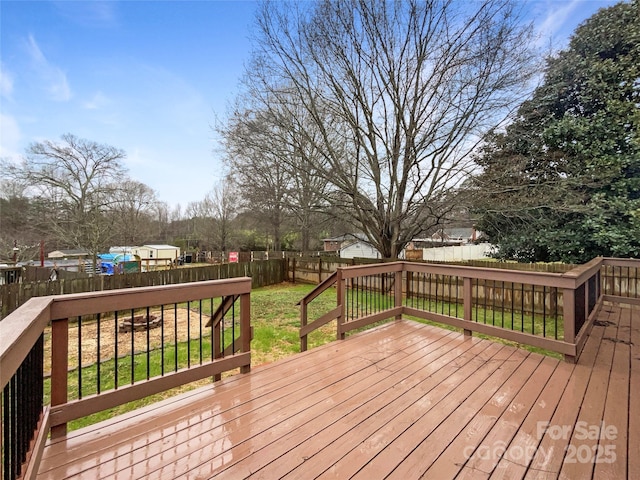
(175, 336)
(457, 302)
(493, 303)
(189, 335)
(133, 349)
(200, 332)
(503, 299)
(162, 340)
(484, 320)
(522, 307)
(98, 354)
(115, 347)
(477, 302)
(79, 357)
(213, 352)
(513, 300)
(436, 280)
(6, 431)
(449, 295)
(148, 312)
(544, 310)
(555, 315)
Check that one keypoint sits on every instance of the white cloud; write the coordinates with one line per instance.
(6, 83)
(553, 23)
(99, 100)
(10, 136)
(54, 78)
(89, 14)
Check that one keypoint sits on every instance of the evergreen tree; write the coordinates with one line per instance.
(563, 181)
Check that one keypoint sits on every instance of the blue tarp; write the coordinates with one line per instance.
(108, 261)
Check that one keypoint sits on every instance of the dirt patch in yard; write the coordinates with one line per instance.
(179, 324)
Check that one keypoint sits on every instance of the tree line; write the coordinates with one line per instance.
(388, 119)
(75, 193)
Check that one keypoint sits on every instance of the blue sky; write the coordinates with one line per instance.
(150, 77)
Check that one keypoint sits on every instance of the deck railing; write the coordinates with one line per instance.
(86, 353)
(552, 311)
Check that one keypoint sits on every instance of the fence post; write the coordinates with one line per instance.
(294, 270)
(467, 299)
(569, 318)
(59, 369)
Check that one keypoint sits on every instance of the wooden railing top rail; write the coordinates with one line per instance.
(88, 303)
(20, 330)
(570, 279)
(582, 273)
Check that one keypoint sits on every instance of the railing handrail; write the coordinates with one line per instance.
(319, 289)
(559, 280)
(582, 273)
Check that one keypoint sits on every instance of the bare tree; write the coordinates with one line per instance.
(134, 208)
(395, 97)
(256, 168)
(224, 202)
(272, 161)
(76, 180)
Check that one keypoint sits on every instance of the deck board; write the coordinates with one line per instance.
(405, 400)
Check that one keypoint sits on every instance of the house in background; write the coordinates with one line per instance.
(351, 245)
(447, 237)
(358, 248)
(333, 244)
(68, 254)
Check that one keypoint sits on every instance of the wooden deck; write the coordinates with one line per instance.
(404, 400)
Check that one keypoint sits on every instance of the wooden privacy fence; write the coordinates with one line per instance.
(262, 273)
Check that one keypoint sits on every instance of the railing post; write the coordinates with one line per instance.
(467, 299)
(59, 369)
(303, 323)
(397, 291)
(569, 318)
(245, 327)
(341, 295)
